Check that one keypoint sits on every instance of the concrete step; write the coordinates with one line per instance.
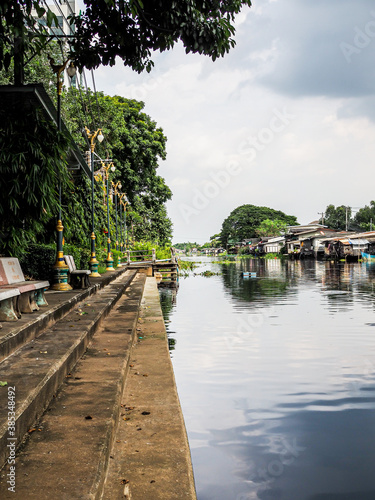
(14, 335)
(37, 370)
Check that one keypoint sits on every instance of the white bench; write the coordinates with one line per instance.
(79, 278)
(31, 293)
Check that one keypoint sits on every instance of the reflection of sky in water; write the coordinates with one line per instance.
(276, 380)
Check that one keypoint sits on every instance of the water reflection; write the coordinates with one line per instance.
(276, 377)
(168, 299)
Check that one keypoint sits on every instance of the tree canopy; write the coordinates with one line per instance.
(365, 217)
(243, 222)
(128, 29)
(137, 145)
(338, 217)
(270, 227)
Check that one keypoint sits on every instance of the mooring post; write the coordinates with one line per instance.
(153, 255)
(128, 256)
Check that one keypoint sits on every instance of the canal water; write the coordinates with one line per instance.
(276, 378)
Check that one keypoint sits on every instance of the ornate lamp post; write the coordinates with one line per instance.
(92, 136)
(124, 203)
(60, 269)
(109, 259)
(122, 221)
(116, 188)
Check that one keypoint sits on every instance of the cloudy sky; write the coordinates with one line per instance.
(285, 120)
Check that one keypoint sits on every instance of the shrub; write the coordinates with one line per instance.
(37, 262)
(81, 256)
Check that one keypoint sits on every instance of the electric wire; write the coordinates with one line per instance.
(96, 96)
(52, 28)
(81, 124)
(62, 13)
(93, 122)
(51, 37)
(58, 32)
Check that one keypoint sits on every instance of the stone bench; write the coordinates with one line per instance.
(30, 293)
(7, 304)
(79, 278)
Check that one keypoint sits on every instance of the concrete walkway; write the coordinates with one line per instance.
(94, 440)
(150, 459)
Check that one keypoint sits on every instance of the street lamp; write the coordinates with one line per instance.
(60, 269)
(117, 187)
(71, 70)
(109, 259)
(92, 136)
(124, 203)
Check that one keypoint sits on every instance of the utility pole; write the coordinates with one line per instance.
(346, 218)
(322, 214)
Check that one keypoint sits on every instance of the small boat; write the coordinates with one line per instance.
(248, 274)
(367, 256)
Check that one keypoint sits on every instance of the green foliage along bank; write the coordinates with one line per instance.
(30, 172)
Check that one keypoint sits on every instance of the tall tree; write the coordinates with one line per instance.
(270, 227)
(365, 217)
(137, 145)
(338, 217)
(129, 29)
(244, 221)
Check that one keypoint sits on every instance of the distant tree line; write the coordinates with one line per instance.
(342, 218)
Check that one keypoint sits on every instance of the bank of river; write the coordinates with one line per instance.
(276, 378)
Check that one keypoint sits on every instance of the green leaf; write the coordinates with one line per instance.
(39, 10)
(51, 19)
(7, 61)
(3, 384)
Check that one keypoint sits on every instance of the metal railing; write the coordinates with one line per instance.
(145, 256)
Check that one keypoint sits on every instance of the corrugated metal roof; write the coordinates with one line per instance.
(276, 239)
(358, 241)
